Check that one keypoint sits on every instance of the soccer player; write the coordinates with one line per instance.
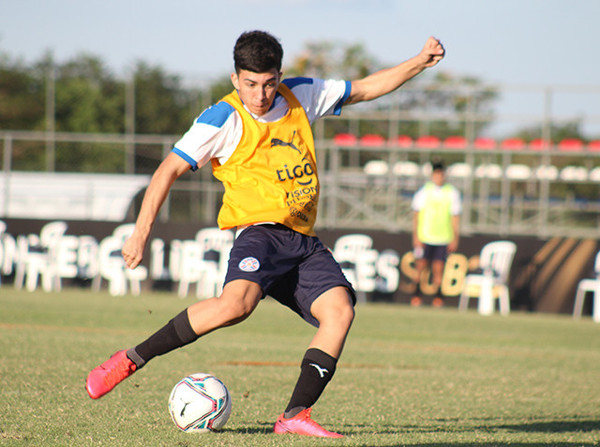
(259, 142)
(436, 217)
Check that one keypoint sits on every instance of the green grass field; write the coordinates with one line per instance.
(418, 377)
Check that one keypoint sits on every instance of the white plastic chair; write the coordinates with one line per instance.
(518, 172)
(406, 169)
(594, 175)
(495, 261)
(589, 285)
(546, 172)
(376, 167)
(490, 171)
(573, 174)
(111, 265)
(207, 274)
(459, 170)
(2, 230)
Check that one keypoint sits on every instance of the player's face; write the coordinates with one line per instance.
(257, 90)
(438, 177)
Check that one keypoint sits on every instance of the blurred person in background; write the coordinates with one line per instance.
(437, 206)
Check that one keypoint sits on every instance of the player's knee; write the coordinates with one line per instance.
(236, 309)
(347, 315)
(238, 301)
(340, 316)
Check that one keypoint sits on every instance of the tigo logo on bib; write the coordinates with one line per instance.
(249, 264)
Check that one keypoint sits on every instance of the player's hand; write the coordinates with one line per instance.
(452, 246)
(133, 251)
(432, 52)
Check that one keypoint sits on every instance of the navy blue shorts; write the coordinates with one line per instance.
(434, 252)
(293, 268)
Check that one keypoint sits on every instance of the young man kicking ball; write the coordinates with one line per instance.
(259, 142)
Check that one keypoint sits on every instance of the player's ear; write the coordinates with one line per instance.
(235, 81)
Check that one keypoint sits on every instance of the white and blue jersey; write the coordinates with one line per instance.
(215, 134)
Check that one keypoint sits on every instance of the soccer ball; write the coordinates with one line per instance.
(200, 403)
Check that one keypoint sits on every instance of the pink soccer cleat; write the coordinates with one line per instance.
(302, 424)
(109, 374)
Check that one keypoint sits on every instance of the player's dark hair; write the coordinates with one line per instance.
(257, 51)
(437, 165)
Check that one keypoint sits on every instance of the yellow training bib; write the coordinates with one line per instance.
(272, 174)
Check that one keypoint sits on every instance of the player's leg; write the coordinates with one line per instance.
(421, 262)
(238, 300)
(437, 271)
(236, 303)
(420, 266)
(334, 312)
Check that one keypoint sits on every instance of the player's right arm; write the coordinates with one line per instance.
(415, 232)
(171, 168)
(416, 205)
(387, 80)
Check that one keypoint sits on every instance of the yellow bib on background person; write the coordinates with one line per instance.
(272, 174)
(435, 217)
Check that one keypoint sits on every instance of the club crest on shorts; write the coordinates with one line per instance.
(249, 264)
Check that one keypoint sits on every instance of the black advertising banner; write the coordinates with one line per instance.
(192, 260)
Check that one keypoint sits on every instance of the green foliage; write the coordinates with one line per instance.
(220, 88)
(448, 96)
(328, 60)
(87, 97)
(161, 103)
(89, 157)
(408, 377)
(21, 96)
(557, 132)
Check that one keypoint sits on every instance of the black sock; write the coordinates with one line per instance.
(316, 371)
(176, 333)
(417, 289)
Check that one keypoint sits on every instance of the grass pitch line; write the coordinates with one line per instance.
(342, 365)
(81, 329)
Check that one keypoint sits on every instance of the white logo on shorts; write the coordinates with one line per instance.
(249, 264)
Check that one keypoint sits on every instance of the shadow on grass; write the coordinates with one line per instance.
(490, 444)
(258, 428)
(565, 426)
(456, 426)
(553, 426)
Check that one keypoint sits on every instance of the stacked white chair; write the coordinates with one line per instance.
(495, 262)
(591, 285)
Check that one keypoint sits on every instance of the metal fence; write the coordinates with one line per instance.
(540, 187)
(509, 187)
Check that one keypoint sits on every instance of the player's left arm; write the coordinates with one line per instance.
(453, 245)
(389, 79)
(456, 212)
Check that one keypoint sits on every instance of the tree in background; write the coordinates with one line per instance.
(162, 105)
(557, 132)
(329, 60)
(21, 95)
(443, 95)
(88, 97)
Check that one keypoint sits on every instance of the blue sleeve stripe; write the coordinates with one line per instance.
(186, 157)
(338, 107)
(293, 82)
(216, 115)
